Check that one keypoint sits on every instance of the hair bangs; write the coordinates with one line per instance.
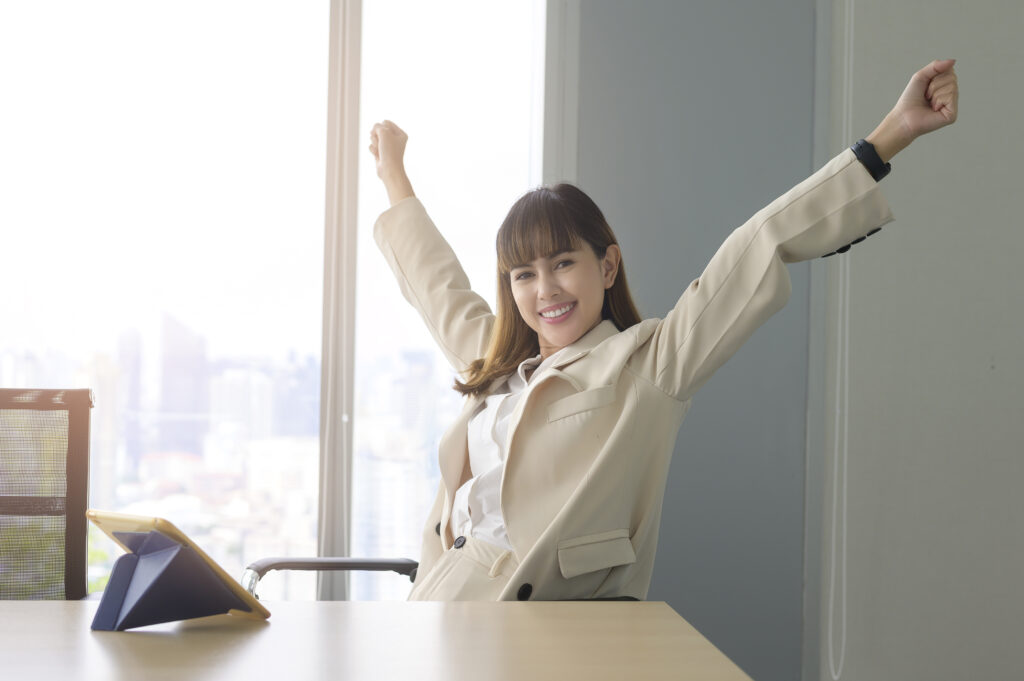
(537, 226)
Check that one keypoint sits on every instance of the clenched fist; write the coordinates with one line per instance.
(929, 102)
(387, 144)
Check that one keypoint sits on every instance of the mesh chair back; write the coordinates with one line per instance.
(44, 479)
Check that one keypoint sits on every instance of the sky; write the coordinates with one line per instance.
(152, 161)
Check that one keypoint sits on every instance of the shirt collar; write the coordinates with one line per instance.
(569, 353)
(538, 363)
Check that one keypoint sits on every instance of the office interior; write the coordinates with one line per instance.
(843, 498)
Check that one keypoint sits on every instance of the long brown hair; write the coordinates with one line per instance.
(542, 222)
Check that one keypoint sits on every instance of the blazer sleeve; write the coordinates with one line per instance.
(747, 282)
(433, 281)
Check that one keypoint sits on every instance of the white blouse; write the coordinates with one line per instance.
(476, 511)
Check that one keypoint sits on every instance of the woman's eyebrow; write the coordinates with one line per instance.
(548, 257)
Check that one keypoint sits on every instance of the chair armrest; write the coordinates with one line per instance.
(255, 570)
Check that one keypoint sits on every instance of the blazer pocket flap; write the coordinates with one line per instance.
(595, 552)
(582, 401)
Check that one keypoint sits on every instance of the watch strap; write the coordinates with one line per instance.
(866, 154)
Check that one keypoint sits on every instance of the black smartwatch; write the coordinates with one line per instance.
(866, 154)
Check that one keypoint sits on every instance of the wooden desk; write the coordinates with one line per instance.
(367, 640)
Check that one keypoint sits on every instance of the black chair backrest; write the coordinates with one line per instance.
(44, 484)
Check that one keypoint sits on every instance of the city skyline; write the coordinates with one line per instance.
(207, 444)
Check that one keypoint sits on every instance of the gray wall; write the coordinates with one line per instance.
(692, 116)
(934, 461)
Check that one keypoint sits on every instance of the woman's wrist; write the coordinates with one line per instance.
(889, 138)
(398, 186)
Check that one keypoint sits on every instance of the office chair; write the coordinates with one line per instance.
(44, 480)
(257, 569)
(403, 566)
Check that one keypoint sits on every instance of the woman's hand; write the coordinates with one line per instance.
(387, 144)
(928, 103)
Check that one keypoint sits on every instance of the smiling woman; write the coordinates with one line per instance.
(552, 483)
(555, 248)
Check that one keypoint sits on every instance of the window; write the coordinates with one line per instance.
(465, 81)
(162, 228)
(161, 242)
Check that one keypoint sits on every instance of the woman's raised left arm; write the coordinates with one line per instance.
(747, 281)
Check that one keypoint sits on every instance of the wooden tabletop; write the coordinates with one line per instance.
(417, 641)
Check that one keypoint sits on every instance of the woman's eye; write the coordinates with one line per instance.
(565, 262)
(521, 275)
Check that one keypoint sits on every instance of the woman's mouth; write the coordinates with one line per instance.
(559, 314)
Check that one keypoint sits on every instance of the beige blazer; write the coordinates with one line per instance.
(590, 442)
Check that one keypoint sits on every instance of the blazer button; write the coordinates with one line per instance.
(460, 542)
(438, 529)
(524, 592)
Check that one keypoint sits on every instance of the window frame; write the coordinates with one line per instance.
(338, 350)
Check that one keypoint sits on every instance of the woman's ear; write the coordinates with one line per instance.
(610, 264)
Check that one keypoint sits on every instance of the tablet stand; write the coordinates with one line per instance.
(160, 581)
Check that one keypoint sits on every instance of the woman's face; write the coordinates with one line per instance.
(561, 296)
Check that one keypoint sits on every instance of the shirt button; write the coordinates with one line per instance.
(460, 542)
(438, 529)
(524, 592)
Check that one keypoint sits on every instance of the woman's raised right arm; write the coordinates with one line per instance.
(428, 272)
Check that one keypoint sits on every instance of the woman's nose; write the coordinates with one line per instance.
(548, 286)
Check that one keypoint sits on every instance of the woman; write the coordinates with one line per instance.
(554, 473)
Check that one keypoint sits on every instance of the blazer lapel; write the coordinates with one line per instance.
(572, 353)
(454, 445)
(590, 340)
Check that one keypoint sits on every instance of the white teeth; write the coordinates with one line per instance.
(557, 313)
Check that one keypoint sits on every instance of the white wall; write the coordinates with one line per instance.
(931, 404)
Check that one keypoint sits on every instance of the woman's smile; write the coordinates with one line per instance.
(557, 314)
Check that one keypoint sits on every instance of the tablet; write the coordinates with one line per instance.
(112, 523)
